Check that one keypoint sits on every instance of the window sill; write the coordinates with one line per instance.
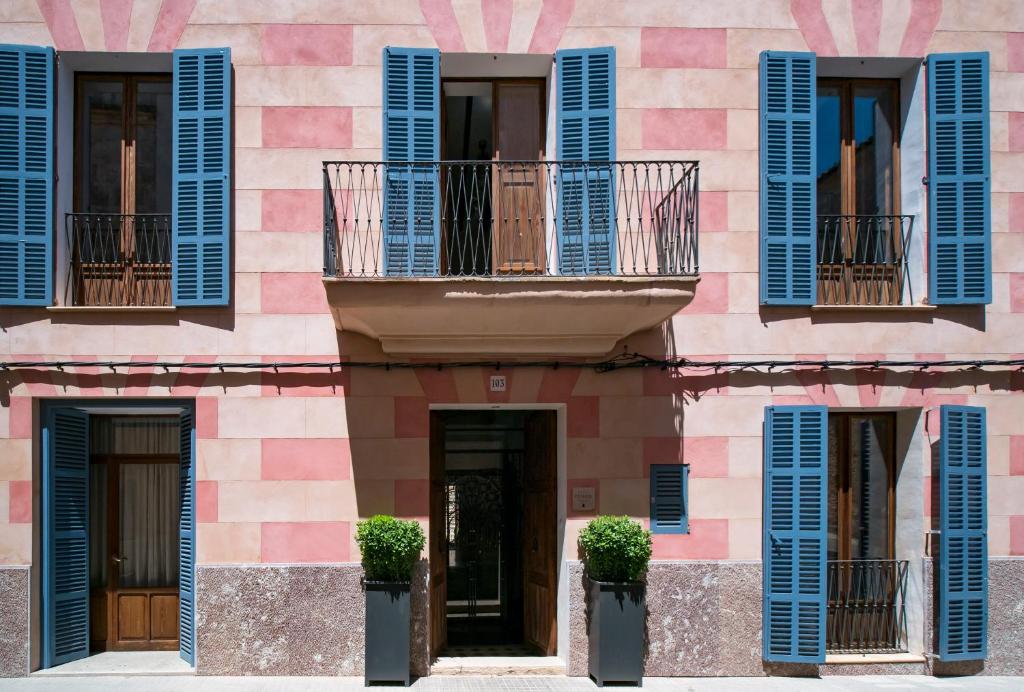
(872, 659)
(917, 307)
(111, 308)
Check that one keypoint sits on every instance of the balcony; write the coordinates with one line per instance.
(508, 257)
(862, 260)
(866, 606)
(118, 260)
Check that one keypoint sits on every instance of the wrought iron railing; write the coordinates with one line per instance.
(866, 606)
(118, 260)
(510, 218)
(862, 260)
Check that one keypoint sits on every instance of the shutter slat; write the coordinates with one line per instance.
(794, 533)
(963, 538)
(586, 134)
(201, 176)
(66, 540)
(186, 537)
(788, 178)
(668, 498)
(959, 180)
(26, 175)
(412, 209)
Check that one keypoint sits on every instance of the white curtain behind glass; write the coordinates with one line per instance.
(149, 525)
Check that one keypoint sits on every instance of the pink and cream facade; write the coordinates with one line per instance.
(439, 260)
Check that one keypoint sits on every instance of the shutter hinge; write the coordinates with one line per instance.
(924, 180)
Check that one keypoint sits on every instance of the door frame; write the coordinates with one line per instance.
(561, 509)
(40, 654)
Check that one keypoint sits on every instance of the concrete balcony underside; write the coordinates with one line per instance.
(522, 316)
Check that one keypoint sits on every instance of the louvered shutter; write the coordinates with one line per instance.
(795, 516)
(959, 180)
(412, 197)
(187, 537)
(788, 178)
(668, 498)
(66, 539)
(201, 178)
(963, 537)
(26, 175)
(586, 148)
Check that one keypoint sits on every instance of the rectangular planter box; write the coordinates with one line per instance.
(387, 632)
(618, 613)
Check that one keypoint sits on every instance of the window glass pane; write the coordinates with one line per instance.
(153, 148)
(99, 557)
(148, 545)
(829, 151)
(869, 444)
(873, 138)
(99, 160)
(834, 483)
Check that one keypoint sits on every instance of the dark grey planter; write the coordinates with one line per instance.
(617, 615)
(387, 632)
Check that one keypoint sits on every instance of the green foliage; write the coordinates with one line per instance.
(390, 547)
(615, 549)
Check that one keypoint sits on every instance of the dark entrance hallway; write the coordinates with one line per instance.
(493, 479)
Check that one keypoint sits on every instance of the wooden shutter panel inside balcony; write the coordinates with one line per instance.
(66, 539)
(963, 538)
(586, 148)
(788, 178)
(795, 515)
(412, 199)
(668, 498)
(959, 180)
(26, 175)
(201, 177)
(187, 537)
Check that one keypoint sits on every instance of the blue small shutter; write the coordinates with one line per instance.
(586, 148)
(668, 498)
(795, 514)
(26, 175)
(959, 180)
(412, 131)
(201, 176)
(788, 178)
(65, 536)
(963, 538)
(187, 537)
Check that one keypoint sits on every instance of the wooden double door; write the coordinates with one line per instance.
(538, 540)
(133, 542)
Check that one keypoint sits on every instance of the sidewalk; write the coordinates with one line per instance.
(505, 684)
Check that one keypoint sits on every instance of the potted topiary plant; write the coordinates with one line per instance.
(616, 552)
(390, 548)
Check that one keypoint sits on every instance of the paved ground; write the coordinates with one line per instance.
(506, 684)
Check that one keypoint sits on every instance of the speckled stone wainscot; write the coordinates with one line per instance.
(703, 619)
(290, 620)
(14, 621)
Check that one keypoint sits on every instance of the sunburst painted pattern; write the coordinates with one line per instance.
(867, 27)
(116, 25)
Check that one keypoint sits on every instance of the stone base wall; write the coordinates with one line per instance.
(15, 629)
(291, 620)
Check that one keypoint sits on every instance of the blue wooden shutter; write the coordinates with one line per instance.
(412, 193)
(201, 176)
(959, 180)
(26, 175)
(795, 513)
(586, 148)
(963, 537)
(187, 537)
(788, 178)
(668, 498)
(65, 536)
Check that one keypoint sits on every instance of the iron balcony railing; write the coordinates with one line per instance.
(510, 218)
(118, 260)
(866, 606)
(862, 260)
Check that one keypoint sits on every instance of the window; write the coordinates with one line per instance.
(669, 510)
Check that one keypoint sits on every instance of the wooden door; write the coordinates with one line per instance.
(438, 538)
(519, 201)
(136, 610)
(540, 533)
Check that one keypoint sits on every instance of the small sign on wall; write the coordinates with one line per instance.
(584, 498)
(498, 383)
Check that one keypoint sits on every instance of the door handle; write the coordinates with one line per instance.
(118, 559)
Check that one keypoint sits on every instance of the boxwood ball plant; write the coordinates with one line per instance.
(615, 549)
(390, 547)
